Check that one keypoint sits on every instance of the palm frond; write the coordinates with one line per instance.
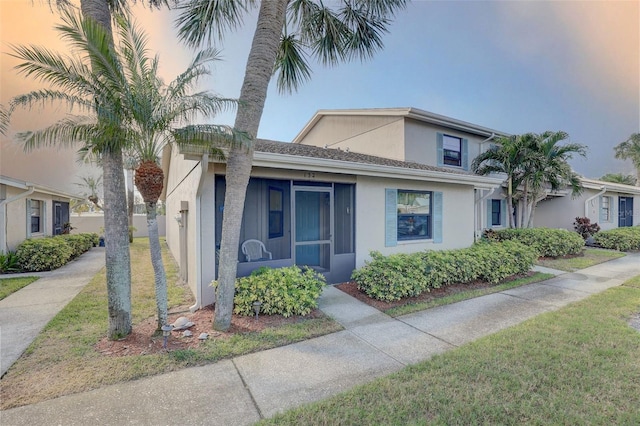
(211, 139)
(291, 65)
(366, 31)
(206, 20)
(66, 132)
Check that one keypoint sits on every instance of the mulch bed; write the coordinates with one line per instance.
(144, 340)
(351, 288)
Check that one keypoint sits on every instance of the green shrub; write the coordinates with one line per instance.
(548, 242)
(392, 277)
(282, 291)
(79, 243)
(623, 239)
(9, 263)
(43, 254)
(398, 276)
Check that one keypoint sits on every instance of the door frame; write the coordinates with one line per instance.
(625, 219)
(321, 189)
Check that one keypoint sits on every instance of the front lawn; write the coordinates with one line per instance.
(72, 354)
(11, 285)
(577, 365)
(590, 257)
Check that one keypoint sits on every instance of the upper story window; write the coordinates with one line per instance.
(452, 150)
(414, 215)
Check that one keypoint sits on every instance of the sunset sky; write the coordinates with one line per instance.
(517, 66)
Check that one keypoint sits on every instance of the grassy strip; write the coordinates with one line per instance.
(62, 360)
(577, 365)
(11, 285)
(458, 297)
(590, 257)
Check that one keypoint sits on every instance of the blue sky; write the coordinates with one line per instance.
(517, 66)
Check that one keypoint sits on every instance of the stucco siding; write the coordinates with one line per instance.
(457, 227)
(421, 147)
(377, 135)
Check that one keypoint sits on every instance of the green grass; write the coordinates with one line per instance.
(577, 365)
(11, 285)
(63, 360)
(470, 294)
(590, 257)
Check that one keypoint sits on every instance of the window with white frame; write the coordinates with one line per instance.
(414, 215)
(35, 211)
(605, 209)
(452, 150)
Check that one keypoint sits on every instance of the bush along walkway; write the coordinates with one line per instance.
(248, 388)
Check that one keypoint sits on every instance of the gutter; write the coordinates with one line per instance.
(3, 211)
(475, 216)
(603, 189)
(204, 166)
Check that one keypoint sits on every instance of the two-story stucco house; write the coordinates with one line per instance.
(326, 203)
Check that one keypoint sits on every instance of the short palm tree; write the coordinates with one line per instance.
(156, 109)
(287, 31)
(630, 150)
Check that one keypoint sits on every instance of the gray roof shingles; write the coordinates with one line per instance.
(286, 148)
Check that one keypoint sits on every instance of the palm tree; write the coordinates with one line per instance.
(619, 178)
(155, 108)
(93, 187)
(506, 156)
(548, 169)
(533, 164)
(93, 89)
(630, 150)
(285, 30)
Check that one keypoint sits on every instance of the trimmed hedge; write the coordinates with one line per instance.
(395, 277)
(45, 254)
(282, 291)
(548, 242)
(622, 239)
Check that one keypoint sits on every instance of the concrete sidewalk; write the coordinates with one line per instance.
(24, 313)
(245, 389)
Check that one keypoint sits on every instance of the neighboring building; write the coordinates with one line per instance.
(610, 205)
(29, 210)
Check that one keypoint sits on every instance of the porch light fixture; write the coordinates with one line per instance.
(256, 307)
(166, 332)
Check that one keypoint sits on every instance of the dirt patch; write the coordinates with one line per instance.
(144, 340)
(351, 288)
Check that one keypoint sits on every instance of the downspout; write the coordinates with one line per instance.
(475, 216)
(586, 202)
(3, 207)
(204, 166)
(493, 135)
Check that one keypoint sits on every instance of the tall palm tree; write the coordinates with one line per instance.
(619, 178)
(155, 109)
(285, 31)
(89, 88)
(630, 150)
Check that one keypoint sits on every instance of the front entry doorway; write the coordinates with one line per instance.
(312, 229)
(625, 211)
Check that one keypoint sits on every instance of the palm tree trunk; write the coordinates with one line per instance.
(130, 200)
(510, 201)
(117, 257)
(156, 262)
(253, 95)
(116, 236)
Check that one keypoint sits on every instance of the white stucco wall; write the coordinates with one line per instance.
(457, 221)
(16, 216)
(560, 212)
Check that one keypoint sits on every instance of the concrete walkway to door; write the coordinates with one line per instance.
(243, 390)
